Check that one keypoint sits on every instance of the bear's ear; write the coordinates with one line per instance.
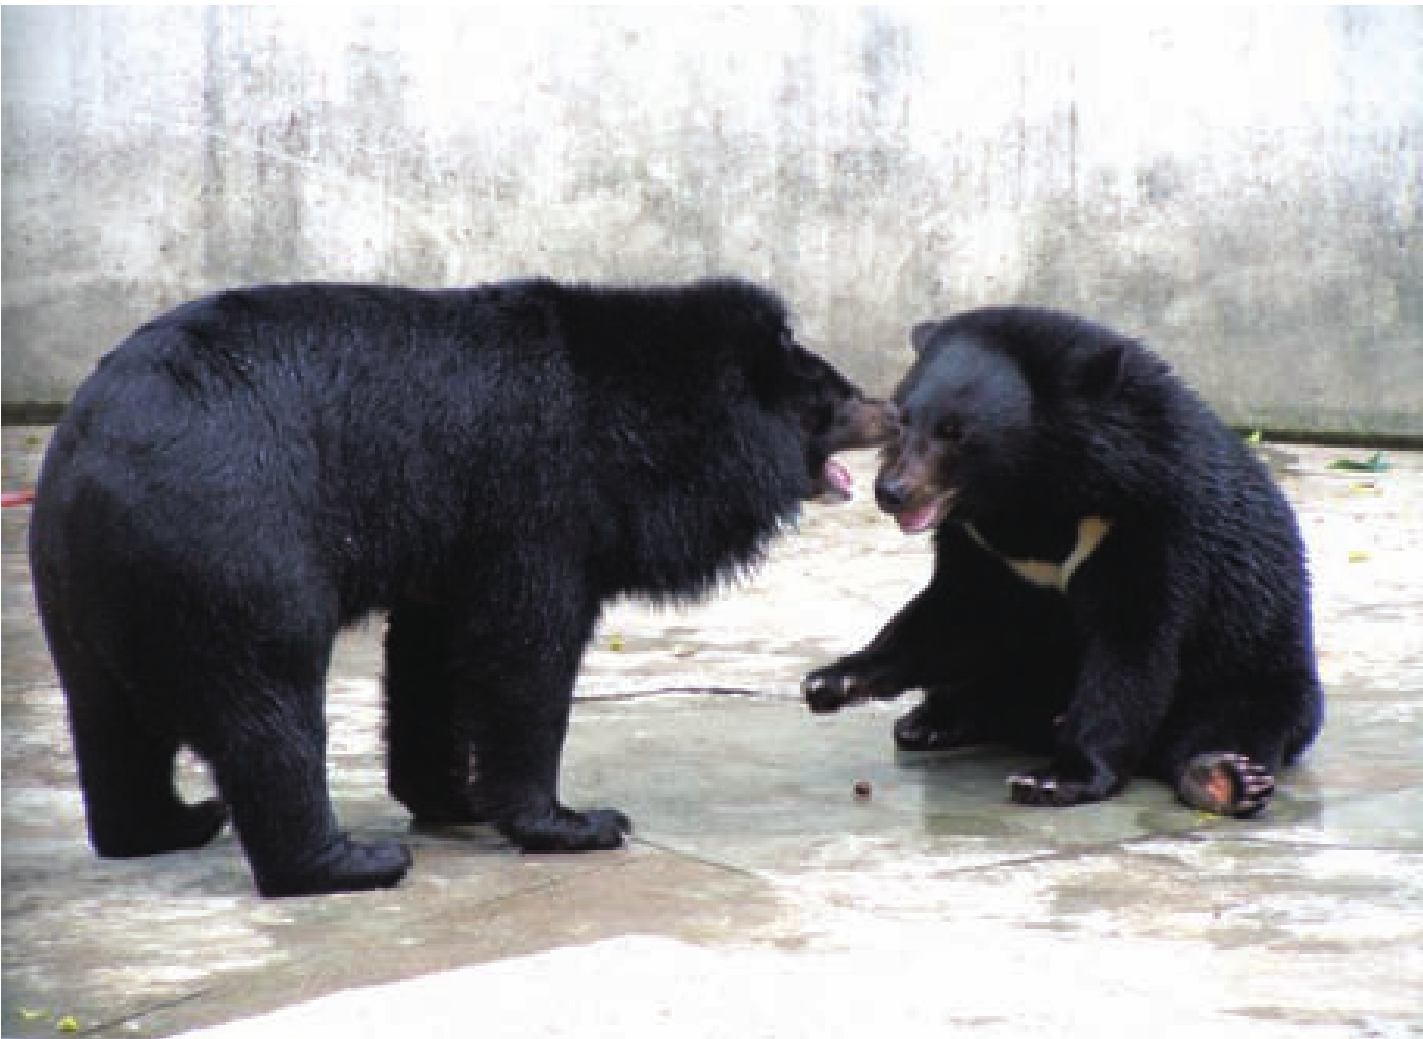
(1101, 372)
(922, 334)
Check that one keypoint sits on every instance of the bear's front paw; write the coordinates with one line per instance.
(831, 688)
(345, 865)
(561, 829)
(1049, 787)
(934, 725)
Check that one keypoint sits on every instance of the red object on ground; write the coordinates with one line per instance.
(24, 497)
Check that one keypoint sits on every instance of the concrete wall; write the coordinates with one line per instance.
(1240, 186)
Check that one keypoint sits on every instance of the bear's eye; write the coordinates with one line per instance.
(949, 430)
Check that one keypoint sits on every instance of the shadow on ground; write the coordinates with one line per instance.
(761, 897)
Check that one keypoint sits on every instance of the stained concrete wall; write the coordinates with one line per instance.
(1240, 186)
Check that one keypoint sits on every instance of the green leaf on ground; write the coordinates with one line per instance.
(1376, 464)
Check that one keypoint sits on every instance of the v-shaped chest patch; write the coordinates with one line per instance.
(1043, 573)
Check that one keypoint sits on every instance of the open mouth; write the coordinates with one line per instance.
(834, 484)
(927, 516)
(859, 424)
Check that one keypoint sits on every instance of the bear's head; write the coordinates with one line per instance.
(979, 416)
(834, 416)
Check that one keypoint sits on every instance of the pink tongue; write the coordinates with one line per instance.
(839, 477)
(916, 521)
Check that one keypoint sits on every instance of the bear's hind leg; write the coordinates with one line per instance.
(1221, 750)
(428, 756)
(132, 807)
(270, 759)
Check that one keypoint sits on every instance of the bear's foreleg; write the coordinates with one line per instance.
(908, 653)
(515, 672)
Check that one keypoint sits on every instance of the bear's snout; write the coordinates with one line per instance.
(892, 492)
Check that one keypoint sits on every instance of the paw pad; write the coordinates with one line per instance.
(1226, 784)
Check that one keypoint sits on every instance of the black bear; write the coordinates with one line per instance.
(1118, 582)
(251, 471)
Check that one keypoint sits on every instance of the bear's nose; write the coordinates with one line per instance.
(891, 492)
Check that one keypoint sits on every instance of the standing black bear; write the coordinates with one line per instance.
(1117, 580)
(252, 471)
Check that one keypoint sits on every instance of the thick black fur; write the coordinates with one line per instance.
(252, 471)
(1182, 646)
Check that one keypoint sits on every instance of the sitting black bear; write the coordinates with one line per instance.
(1118, 582)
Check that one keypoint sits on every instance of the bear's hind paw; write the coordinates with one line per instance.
(1226, 784)
(185, 828)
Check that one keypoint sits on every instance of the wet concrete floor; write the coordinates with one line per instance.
(760, 897)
